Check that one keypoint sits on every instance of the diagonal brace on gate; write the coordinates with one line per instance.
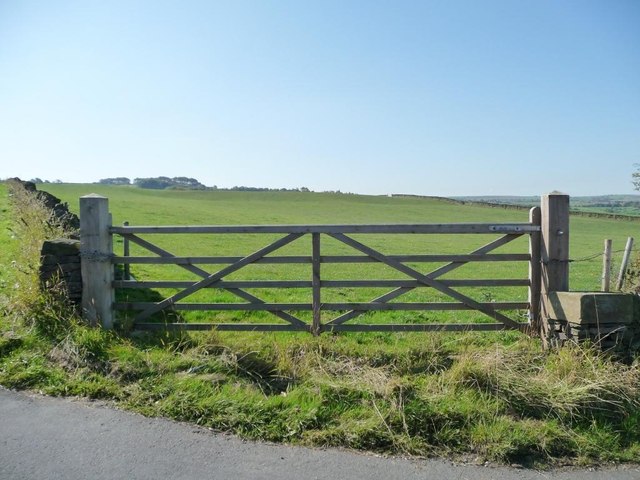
(387, 297)
(427, 280)
(215, 277)
(203, 273)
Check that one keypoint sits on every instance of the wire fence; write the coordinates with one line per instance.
(598, 255)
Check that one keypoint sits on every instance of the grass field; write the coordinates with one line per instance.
(494, 396)
(152, 207)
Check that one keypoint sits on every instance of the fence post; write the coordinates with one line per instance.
(606, 265)
(625, 263)
(96, 250)
(555, 242)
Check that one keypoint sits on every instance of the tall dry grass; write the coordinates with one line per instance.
(31, 224)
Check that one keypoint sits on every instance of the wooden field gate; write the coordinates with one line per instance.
(547, 229)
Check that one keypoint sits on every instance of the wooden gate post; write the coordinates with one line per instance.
(555, 242)
(554, 253)
(96, 250)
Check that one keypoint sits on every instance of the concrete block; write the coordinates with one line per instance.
(592, 308)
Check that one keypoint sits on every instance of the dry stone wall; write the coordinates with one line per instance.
(59, 209)
(60, 268)
(60, 259)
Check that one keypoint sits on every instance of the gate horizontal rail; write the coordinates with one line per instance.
(428, 228)
(272, 327)
(325, 283)
(504, 257)
(365, 306)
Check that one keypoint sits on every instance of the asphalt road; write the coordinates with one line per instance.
(54, 438)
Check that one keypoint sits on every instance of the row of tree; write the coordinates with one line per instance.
(157, 183)
(115, 181)
(186, 183)
(39, 180)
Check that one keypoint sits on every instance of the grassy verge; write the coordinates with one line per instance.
(492, 396)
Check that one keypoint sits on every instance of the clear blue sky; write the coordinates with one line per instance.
(446, 97)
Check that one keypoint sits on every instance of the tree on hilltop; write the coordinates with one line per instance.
(161, 183)
(187, 182)
(158, 183)
(115, 181)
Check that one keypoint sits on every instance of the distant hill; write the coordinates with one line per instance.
(501, 200)
(618, 205)
(605, 204)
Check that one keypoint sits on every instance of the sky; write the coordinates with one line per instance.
(446, 98)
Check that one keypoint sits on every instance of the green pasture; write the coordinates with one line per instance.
(486, 396)
(172, 207)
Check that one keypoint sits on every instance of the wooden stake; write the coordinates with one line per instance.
(625, 263)
(606, 266)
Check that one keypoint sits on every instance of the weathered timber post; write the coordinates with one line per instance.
(606, 265)
(554, 251)
(555, 242)
(96, 250)
(534, 271)
(625, 263)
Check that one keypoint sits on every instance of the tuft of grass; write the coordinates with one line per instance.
(31, 224)
(576, 383)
